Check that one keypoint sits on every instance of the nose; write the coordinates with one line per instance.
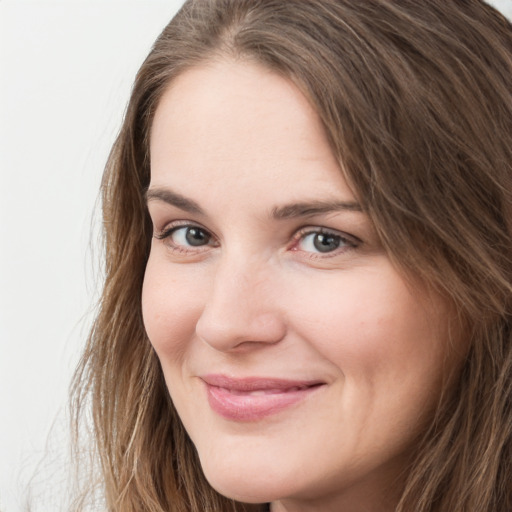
(240, 309)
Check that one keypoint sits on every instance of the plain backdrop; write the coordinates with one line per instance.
(66, 68)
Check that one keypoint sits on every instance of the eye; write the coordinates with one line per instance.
(323, 241)
(190, 235)
(186, 237)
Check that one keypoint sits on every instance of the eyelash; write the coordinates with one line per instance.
(348, 242)
(168, 231)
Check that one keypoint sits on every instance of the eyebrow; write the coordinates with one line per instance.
(294, 210)
(174, 199)
(309, 209)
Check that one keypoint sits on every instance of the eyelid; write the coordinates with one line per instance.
(351, 240)
(169, 228)
(166, 236)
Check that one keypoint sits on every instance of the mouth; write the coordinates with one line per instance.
(254, 398)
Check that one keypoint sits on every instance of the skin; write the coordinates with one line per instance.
(258, 298)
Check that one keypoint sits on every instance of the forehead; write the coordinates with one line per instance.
(228, 121)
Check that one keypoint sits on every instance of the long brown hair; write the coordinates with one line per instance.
(416, 99)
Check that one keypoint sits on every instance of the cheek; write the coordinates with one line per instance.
(390, 349)
(170, 310)
(374, 330)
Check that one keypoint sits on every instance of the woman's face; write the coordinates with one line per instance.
(301, 363)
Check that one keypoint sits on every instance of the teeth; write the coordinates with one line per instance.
(257, 393)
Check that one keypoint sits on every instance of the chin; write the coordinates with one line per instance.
(244, 490)
(247, 484)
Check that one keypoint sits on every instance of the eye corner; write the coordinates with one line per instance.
(185, 239)
(323, 242)
(160, 234)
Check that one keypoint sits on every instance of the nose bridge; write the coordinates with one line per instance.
(234, 276)
(239, 306)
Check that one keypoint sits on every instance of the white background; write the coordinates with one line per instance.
(66, 68)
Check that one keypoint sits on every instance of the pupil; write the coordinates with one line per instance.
(196, 237)
(326, 243)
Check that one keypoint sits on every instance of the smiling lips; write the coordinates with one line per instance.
(252, 399)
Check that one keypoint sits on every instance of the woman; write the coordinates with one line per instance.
(307, 302)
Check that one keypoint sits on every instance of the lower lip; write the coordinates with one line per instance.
(241, 406)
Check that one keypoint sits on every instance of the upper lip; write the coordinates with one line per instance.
(257, 383)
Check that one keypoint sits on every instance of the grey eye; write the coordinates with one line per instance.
(324, 242)
(321, 242)
(190, 236)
